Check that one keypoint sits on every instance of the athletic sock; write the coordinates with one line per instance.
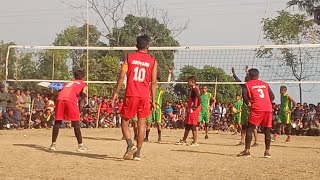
(138, 152)
(129, 143)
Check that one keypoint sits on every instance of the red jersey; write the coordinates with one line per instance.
(139, 74)
(259, 97)
(71, 91)
(195, 101)
(120, 106)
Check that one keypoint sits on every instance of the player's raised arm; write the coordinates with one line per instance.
(245, 96)
(236, 78)
(154, 83)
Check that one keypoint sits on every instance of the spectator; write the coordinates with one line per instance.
(315, 128)
(38, 103)
(9, 120)
(4, 97)
(27, 104)
(93, 104)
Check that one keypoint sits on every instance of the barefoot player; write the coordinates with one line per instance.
(67, 108)
(193, 112)
(141, 70)
(258, 97)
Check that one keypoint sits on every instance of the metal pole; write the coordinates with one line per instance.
(88, 47)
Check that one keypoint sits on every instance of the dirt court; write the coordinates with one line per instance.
(24, 155)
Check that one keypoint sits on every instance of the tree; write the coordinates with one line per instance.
(289, 28)
(45, 65)
(305, 5)
(76, 36)
(25, 68)
(159, 33)
(12, 59)
(225, 93)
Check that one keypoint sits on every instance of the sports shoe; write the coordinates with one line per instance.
(82, 148)
(193, 144)
(136, 157)
(287, 141)
(52, 147)
(159, 141)
(267, 155)
(130, 152)
(206, 137)
(240, 144)
(181, 142)
(146, 139)
(255, 145)
(244, 154)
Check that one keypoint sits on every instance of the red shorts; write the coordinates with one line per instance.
(66, 110)
(136, 106)
(193, 117)
(260, 118)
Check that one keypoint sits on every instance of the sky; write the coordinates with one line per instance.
(211, 22)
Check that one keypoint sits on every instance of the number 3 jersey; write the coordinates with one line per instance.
(71, 91)
(139, 74)
(258, 94)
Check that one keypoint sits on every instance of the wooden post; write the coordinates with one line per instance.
(97, 122)
(32, 103)
(215, 90)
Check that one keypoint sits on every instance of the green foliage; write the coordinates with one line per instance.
(77, 36)
(159, 33)
(288, 28)
(3, 55)
(305, 5)
(225, 93)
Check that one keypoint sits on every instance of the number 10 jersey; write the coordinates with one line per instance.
(139, 74)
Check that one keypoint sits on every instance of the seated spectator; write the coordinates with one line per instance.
(38, 104)
(315, 128)
(9, 120)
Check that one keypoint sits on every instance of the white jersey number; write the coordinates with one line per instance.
(139, 74)
(261, 93)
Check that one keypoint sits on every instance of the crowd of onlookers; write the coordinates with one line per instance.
(21, 109)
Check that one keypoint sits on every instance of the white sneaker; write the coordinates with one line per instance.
(52, 147)
(193, 144)
(82, 148)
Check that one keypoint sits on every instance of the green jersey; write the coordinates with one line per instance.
(238, 106)
(285, 104)
(205, 101)
(159, 95)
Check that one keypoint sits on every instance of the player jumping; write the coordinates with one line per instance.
(141, 70)
(258, 97)
(67, 108)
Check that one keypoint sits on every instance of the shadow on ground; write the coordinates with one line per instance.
(69, 153)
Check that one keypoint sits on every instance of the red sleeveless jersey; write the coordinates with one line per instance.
(139, 74)
(258, 94)
(71, 91)
(195, 101)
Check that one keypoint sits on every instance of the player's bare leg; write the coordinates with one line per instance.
(255, 135)
(267, 139)
(243, 135)
(248, 139)
(55, 133)
(77, 132)
(134, 125)
(131, 149)
(288, 132)
(194, 136)
(159, 132)
(146, 139)
(185, 135)
(206, 127)
(140, 137)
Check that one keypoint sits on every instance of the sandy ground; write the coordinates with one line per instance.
(24, 155)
